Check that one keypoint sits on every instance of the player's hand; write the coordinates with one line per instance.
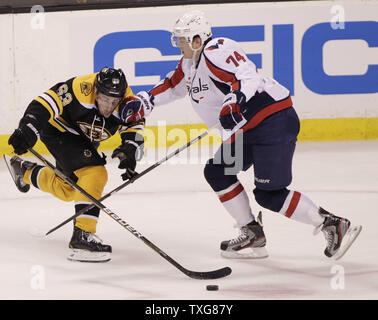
(136, 107)
(231, 113)
(131, 110)
(25, 136)
(128, 154)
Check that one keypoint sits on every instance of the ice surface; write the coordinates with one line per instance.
(175, 209)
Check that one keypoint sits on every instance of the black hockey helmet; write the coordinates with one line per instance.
(111, 82)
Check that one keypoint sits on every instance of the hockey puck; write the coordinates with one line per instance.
(212, 287)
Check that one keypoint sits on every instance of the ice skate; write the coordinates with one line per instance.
(17, 168)
(339, 233)
(87, 247)
(250, 244)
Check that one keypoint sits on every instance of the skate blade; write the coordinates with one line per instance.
(88, 256)
(249, 253)
(348, 240)
(7, 162)
(23, 187)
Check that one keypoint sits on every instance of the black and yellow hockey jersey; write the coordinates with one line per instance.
(71, 107)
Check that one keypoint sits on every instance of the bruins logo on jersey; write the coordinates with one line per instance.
(94, 133)
(86, 88)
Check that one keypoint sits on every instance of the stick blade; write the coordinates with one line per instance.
(208, 275)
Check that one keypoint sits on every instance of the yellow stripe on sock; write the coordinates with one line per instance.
(86, 224)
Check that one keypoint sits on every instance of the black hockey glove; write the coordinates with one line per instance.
(128, 154)
(26, 135)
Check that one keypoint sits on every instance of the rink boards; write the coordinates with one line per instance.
(325, 53)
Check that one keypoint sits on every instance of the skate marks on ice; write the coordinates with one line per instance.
(285, 276)
(174, 207)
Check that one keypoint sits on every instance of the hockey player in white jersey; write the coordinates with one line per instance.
(224, 86)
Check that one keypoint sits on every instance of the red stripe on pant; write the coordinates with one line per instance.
(261, 115)
(231, 194)
(293, 204)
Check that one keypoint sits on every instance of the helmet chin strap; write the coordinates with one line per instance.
(195, 51)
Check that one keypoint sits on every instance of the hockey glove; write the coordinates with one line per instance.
(231, 113)
(26, 135)
(128, 154)
(136, 107)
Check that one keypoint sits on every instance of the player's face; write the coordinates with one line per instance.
(188, 50)
(106, 104)
(180, 42)
(185, 48)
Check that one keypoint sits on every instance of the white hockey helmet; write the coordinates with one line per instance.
(191, 24)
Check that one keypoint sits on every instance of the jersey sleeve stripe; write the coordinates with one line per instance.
(236, 85)
(169, 82)
(51, 111)
(46, 105)
(178, 75)
(57, 100)
(223, 75)
(161, 88)
(57, 111)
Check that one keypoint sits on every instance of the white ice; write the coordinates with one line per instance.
(175, 209)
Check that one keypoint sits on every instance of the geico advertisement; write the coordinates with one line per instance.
(325, 53)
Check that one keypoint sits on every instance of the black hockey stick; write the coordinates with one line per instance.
(215, 274)
(137, 176)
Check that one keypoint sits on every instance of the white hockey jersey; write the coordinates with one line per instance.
(223, 67)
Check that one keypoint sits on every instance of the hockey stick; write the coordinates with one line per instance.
(139, 175)
(215, 274)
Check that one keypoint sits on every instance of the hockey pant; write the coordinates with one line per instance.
(269, 148)
(78, 159)
(92, 179)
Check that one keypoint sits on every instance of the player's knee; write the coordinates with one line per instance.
(212, 173)
(271, 199)
(92, 179)
(216, 177)
(101, 175)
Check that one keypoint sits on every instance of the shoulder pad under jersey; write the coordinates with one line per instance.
(83, 88)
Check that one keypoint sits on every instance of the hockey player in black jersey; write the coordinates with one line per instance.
(71, 119)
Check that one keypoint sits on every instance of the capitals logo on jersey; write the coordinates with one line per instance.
(216, 46)
(195, 89)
